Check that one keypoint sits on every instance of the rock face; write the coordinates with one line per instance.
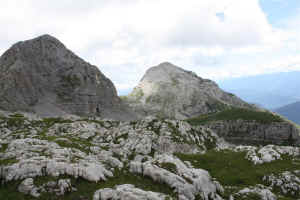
(253, 133)
(42, 76)
(169, 91)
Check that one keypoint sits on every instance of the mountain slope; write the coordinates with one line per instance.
(270, 90)
(169, 91)
(291, 112)
(42, 76)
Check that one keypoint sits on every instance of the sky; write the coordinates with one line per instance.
(217, 39)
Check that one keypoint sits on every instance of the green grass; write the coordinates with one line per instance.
(232, 169)
(16, 115)
(285, 198)
(85, 189)
(9, 192)
(8, 161)
(124, 98)
(235, 114)
(3, 147)
(17, 122)
(215, 105)
(169, 166)
(248, 196)
(48, 122)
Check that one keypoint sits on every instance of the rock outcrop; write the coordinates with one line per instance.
(186, 181)
(128, 191)
(267, 154)
(287, 182)
(256, 192)
(169, 91)
(254, 133)
(42, 76)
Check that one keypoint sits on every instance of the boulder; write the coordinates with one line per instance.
(27, 187)
(126, 192)
(187, 182)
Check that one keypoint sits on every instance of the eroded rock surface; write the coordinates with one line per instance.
(127, 191)
(269, 153)
(188, 182)
(249, 132)
(258, 192)
(286, 182)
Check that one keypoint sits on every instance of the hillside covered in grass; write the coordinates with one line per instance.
(237, 114)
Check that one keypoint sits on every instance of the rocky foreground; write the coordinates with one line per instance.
(88, 158)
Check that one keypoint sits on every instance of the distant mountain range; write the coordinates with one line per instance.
(270, 91)
(290, 111)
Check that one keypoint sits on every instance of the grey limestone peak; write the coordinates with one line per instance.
(42, 76)
(169, 91)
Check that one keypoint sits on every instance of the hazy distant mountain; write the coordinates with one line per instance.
(270, 91)
(291, 112)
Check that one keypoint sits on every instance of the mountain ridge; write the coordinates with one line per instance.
(290, 111)
(278, 89)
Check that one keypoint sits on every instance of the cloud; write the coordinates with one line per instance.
(124, 38)
(244, 24)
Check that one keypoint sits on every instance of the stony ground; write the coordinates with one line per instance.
(88, 158)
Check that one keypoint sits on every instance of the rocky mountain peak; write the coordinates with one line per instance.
(167, 72)
(41, 75)
(170, 91)
(37, 52)
(46, 38)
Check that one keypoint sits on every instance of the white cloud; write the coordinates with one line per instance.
(124, 38)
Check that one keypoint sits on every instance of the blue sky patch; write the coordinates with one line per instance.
(278, 10)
